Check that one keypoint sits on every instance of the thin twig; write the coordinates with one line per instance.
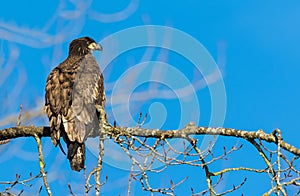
(70, 189)
(99, 166)
(130, 179)
(208, 174)
(42, 164)
(20, 116)
(263, 155)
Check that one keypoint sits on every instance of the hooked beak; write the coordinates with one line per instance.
(94, 46)
(98, 47)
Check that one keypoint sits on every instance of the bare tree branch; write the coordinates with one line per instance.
(137, 144)
(189, 130)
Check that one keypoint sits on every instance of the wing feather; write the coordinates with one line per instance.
(53, 104)
(84, 97)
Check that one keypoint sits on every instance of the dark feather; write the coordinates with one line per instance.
(73, 90)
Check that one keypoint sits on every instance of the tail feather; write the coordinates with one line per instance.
(76, 155)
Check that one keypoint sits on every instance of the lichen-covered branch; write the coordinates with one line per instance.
(189, 130)
(145, 147)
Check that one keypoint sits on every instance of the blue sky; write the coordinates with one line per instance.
(251, 48)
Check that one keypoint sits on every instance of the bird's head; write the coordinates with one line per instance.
(83, 46)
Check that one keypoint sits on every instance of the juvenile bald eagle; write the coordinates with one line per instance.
(74, 89)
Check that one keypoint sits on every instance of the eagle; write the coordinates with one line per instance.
(75, 100)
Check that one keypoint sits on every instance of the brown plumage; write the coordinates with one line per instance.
(74, 89)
